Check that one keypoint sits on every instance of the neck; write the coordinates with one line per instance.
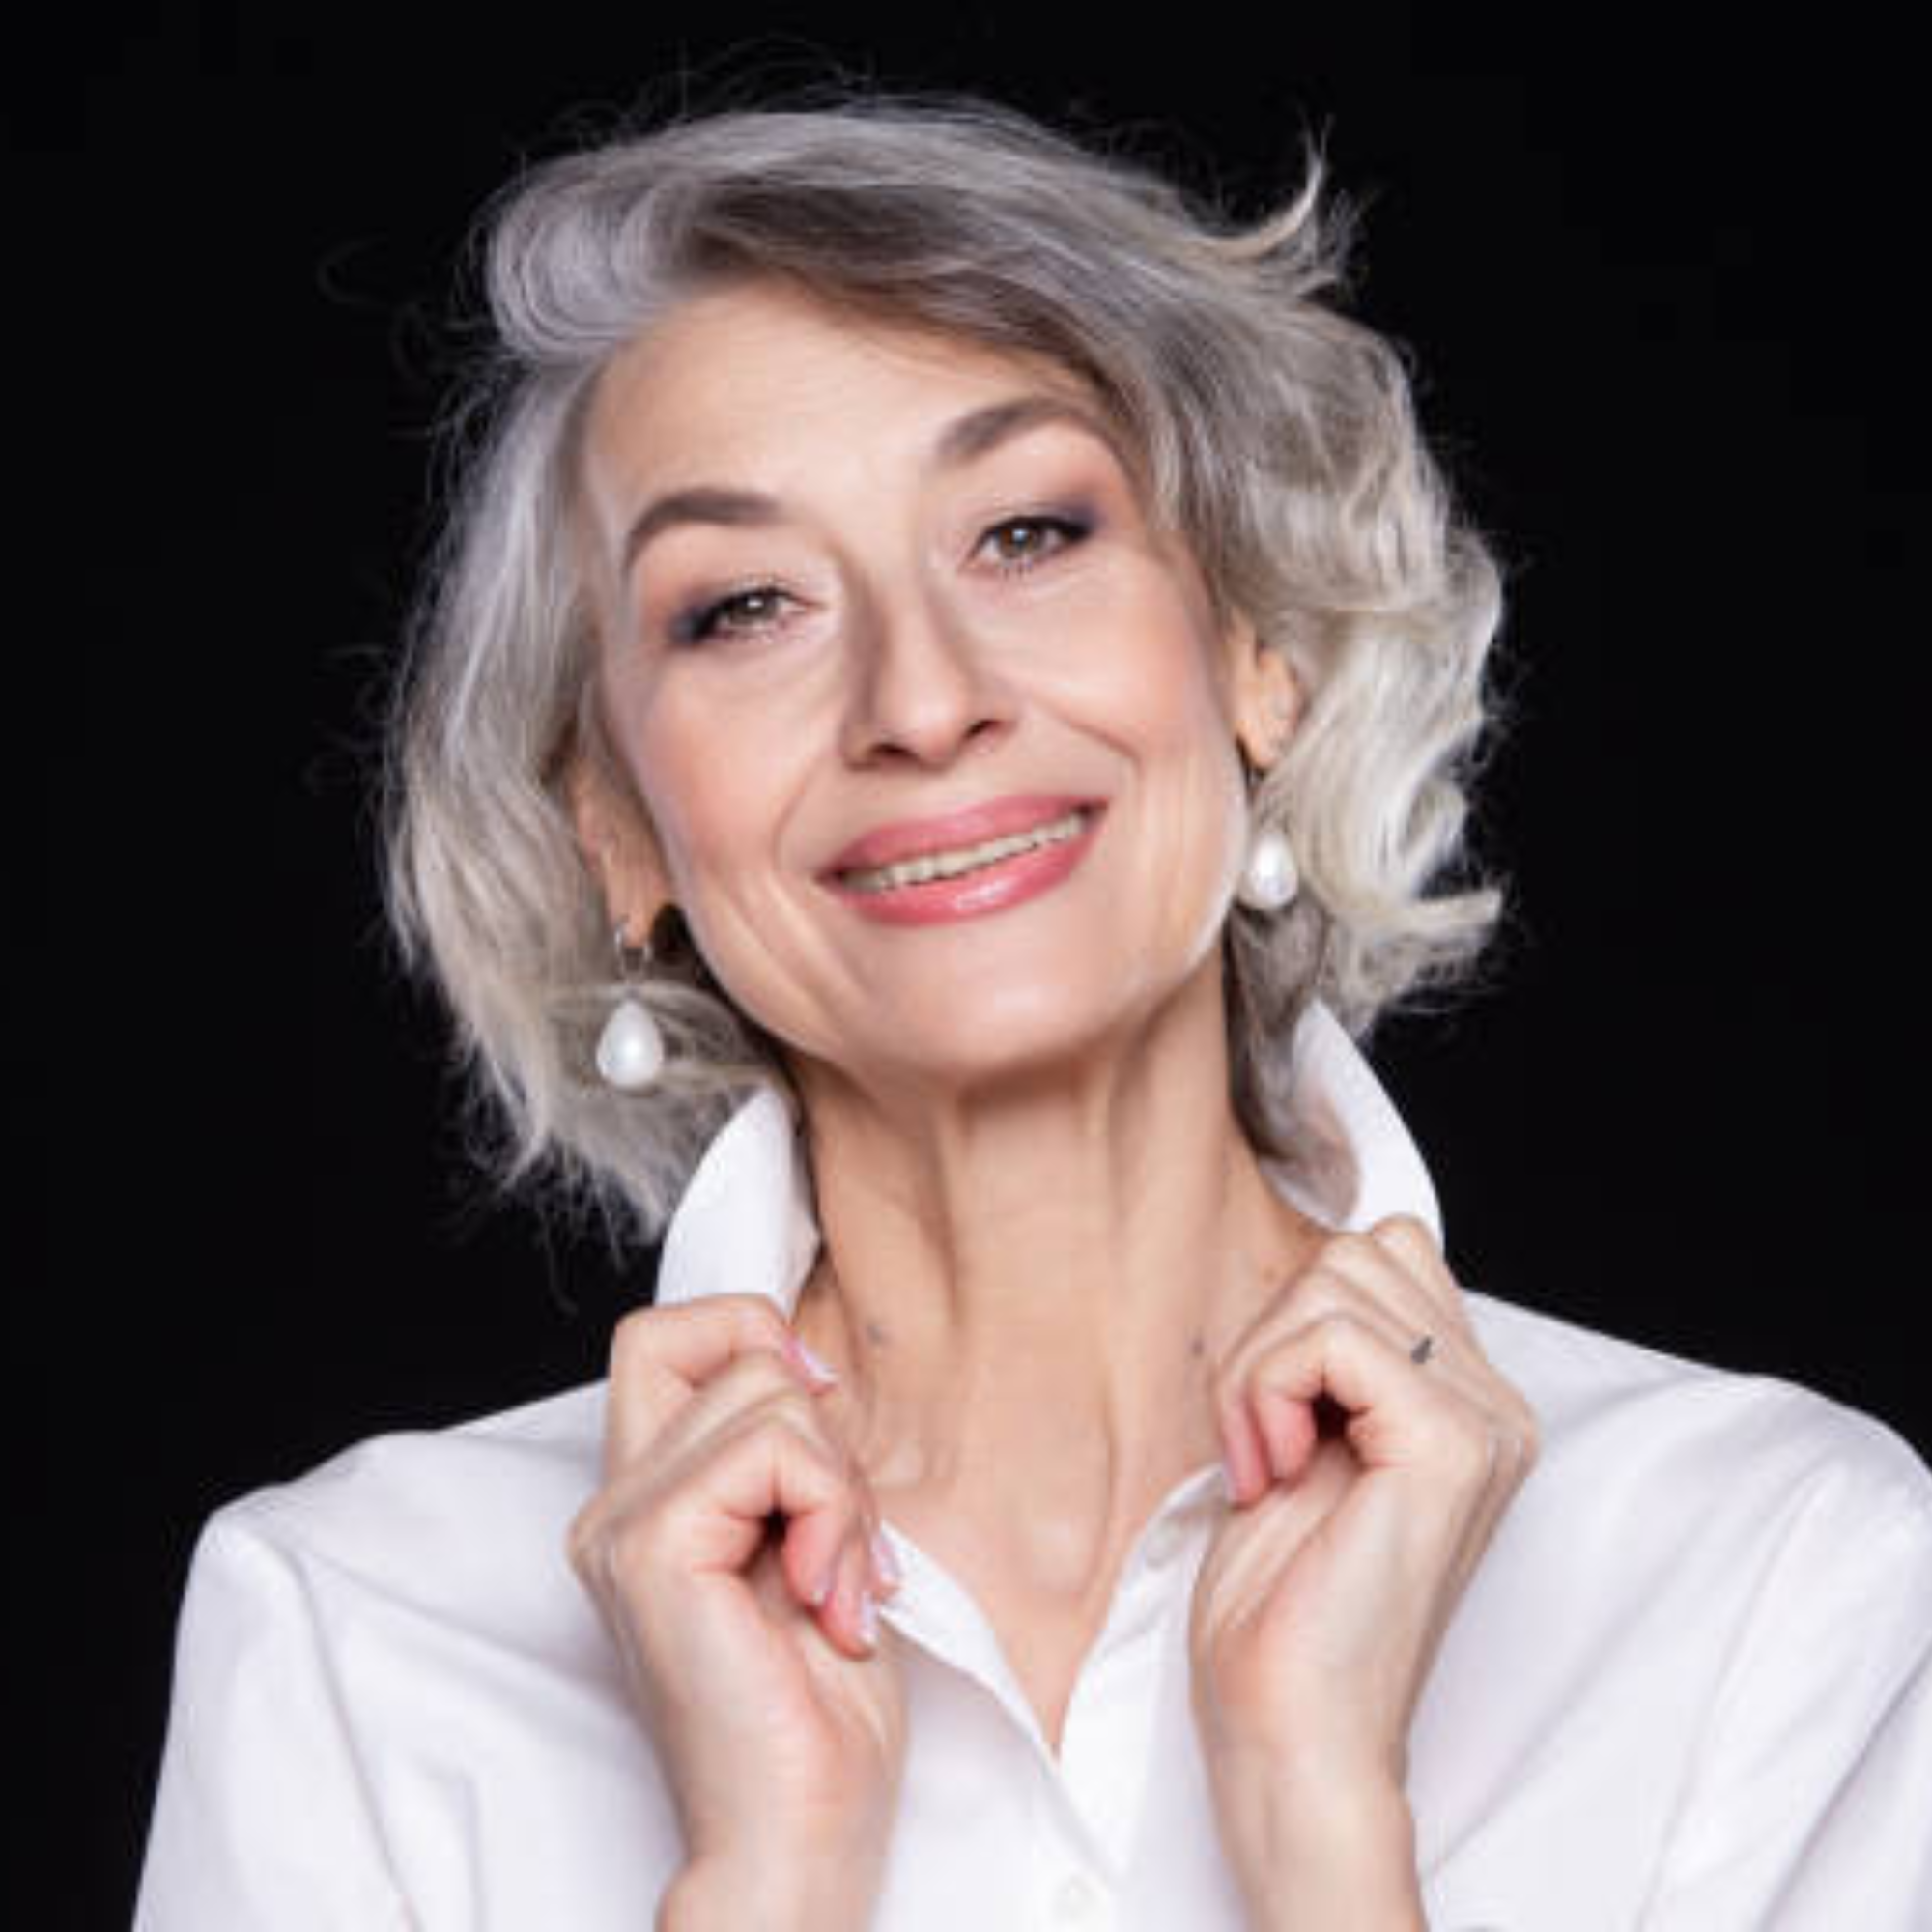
(1039, 1276)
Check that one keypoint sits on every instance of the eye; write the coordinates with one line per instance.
(750, 609)
(1020, 543)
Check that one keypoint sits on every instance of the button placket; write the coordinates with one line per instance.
(1105, 1758)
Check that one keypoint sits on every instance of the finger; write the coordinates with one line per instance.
(751, 1397)
(1288, 1430)
(1346, 1270)
(660, 1357)
(844, 1601)
(1355, 1270)
(1413, 1300)
(755, 1390)
(754, 1386)
(1415, 1247)
(1425, 1298)
(750, 1386)
(835, 1559)
(877, 1563)
(1253, 1385)
(850, 1617)
(718, 1509)
(1396, 1417)
(1422, 1293)
(1351, 1275)
(639, 1525)
(1246, 1452)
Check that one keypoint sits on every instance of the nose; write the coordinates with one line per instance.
(921, 687)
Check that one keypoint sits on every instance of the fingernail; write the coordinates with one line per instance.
(819, 1370)
(868, 1620)
(887, 1563)
(822, 1595)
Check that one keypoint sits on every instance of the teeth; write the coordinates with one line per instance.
(968, 859)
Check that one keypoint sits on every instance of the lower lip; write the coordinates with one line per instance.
(990, 889)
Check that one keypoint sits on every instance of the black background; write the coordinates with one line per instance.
(1660, 271)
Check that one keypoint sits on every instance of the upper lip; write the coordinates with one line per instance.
(996, 818)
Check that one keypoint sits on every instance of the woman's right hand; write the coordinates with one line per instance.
(778, 1716)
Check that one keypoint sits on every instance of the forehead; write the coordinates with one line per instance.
(769, 375)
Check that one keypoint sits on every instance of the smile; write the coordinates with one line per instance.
(951, 865)
(970, 880)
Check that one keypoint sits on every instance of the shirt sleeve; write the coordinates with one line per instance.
(1810, 1804)
(261, 1817)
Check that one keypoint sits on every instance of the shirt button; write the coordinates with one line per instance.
(1077, 1900)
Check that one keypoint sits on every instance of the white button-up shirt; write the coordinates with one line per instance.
(1688, 1689)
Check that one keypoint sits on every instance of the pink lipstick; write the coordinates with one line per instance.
(962, 864)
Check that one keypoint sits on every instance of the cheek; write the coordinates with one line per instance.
(720, 773)
(1196, 802)
(1145, 652)
(1159, 698)
(693, 784)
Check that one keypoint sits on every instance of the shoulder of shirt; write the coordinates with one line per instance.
(465, 1523)
(1719, 1435)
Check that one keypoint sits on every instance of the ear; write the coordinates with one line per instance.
(1267, 697)
(618, 844)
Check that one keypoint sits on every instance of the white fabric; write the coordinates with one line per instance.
(1689, 1690)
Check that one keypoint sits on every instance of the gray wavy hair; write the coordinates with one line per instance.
(1278, 437)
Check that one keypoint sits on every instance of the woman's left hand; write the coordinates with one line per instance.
(1366, 1486)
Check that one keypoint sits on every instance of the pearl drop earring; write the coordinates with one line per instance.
(631, 1048)
(1271, 879)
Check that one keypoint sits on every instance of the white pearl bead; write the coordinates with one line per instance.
(630, 1050)
(1272, 879)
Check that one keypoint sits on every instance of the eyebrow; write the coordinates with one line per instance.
(979, 432)
(963, 440)
(734, 509)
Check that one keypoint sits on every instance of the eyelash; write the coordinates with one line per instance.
(706, 620)
(1070, 530)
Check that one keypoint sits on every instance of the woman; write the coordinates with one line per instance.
(989, 644)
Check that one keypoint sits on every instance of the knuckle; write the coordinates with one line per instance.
(752, 1326)
(628, 1553)
(786, 1417)
(782, 1428)
(1316, 1291)
(1411, 1244)
(1338, 1326)
(1347, 1247)
(762, 1316)
(1409, 1230)
(632, 1341)
(759, 1376)
(1330, 1279)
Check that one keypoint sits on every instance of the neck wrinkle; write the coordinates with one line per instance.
(1042, 1278)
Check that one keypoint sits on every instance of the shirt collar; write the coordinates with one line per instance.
(747, 1225)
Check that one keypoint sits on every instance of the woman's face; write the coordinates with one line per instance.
(852, 577)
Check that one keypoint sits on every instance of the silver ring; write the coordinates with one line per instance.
(1422, 1351)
